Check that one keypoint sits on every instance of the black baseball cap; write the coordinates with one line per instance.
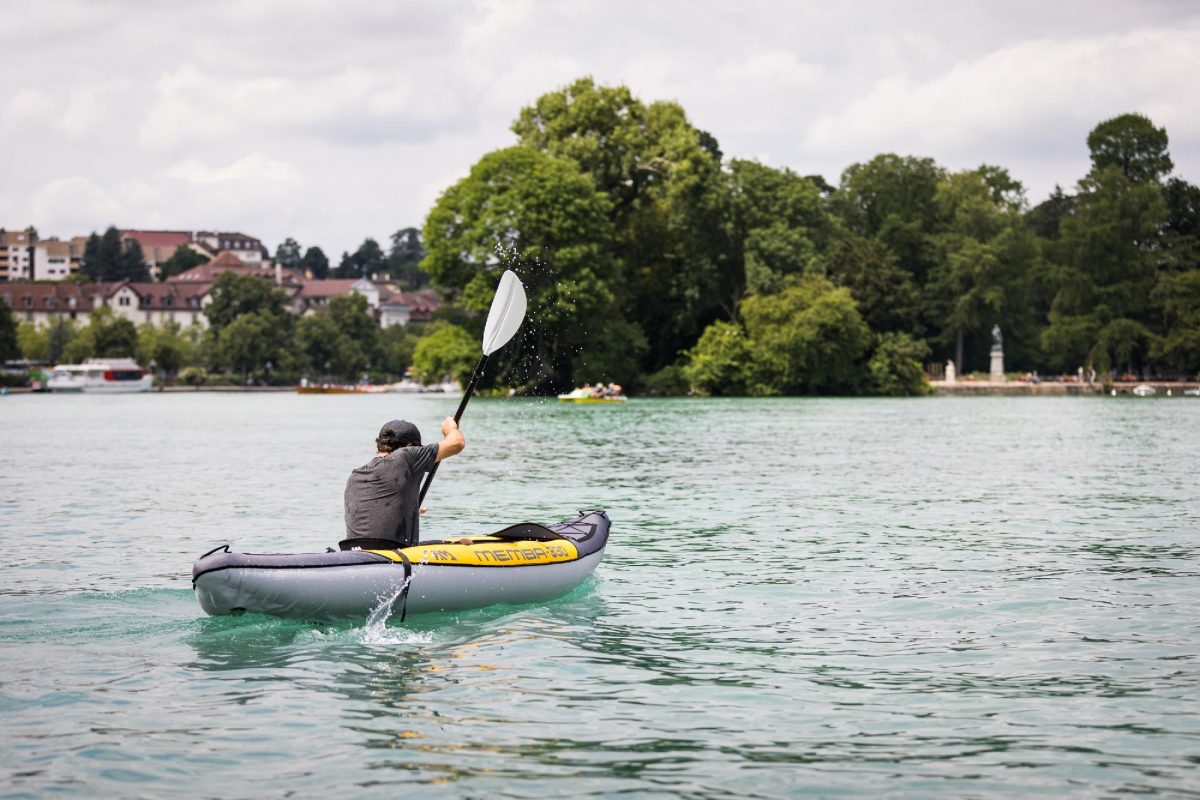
(399, 433)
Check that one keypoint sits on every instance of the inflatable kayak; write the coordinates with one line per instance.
(525, 563)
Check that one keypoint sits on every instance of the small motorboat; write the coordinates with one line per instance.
(1144, 390)
(524, 563)
(329, 388)
(587, 396)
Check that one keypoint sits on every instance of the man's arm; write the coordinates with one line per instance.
(453, 442)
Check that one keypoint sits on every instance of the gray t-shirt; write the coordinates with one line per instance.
(382, 496)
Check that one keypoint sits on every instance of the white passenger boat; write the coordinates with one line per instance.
(101, 376)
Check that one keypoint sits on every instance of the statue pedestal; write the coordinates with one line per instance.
(997, 371)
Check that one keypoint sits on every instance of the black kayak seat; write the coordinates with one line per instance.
(528, 531)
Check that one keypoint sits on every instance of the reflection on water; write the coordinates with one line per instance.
(976, 597)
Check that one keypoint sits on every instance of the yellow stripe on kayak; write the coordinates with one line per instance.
(488, 553)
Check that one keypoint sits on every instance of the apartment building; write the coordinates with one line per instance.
(16, 255)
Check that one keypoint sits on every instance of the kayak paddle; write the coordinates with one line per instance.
(504, 317)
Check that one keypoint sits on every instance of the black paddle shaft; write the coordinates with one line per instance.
(457, 416)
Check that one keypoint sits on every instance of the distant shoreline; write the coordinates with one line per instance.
(1054, 388)
(940, 389)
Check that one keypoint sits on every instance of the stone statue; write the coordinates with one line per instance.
(997, 372)
(951, 372)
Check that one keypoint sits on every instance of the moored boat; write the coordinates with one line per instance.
(525, 563)
(101, 376)
(587, 396)
(328, 388)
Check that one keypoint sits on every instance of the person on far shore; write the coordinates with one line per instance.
(383, 496)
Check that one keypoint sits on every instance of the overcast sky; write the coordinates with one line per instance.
(333, 120)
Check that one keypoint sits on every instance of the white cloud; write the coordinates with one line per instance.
(27, 105)
(330, 119)
(780, 69)
(353, 105)
(255, 170)
(1038, 95)
(90, 108)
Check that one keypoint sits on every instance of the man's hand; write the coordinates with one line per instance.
(453, 443)
(423, 509)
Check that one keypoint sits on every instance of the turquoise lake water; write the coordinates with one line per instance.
(942, 597)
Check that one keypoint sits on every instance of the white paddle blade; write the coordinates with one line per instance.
(506, 314)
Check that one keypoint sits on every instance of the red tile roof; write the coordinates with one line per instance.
(50, 296)
(149, 239)
(327, 288)
(228, 262)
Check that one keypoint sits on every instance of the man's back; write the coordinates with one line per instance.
(382, 496)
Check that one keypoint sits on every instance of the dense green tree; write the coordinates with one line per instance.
(168, 347)
(315, 263)
(896, 367)
(663, 181)
(253, 344)
(885, 294)
(183, 259)
(807, 339)
(33, 342)
(234, 295)
(447, 352)
(1133, 145)
(719, 363)
(778, 223)
(894, 198)
(288, 254)
(9, 348)
(1045, 219)
(109, 258)
(346, 268)
(59, 333)
(404, 258)
(1179, 346)
(369, 258)
(132, 263)
(352, 315)
(983, 257)
(320, 351)
(396, 347)
(113, 338)
(1104, 311)
(537, 214)
(105, 336)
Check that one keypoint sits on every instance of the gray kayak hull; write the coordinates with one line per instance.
(432, 577)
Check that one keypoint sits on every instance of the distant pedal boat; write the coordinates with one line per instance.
(100, 376)
(584, 396)
(523, 563)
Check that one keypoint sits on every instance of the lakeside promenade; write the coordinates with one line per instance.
(967, 388)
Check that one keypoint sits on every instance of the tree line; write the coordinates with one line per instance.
(653, 260)
(252, 338)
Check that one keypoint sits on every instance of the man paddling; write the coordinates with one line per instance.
(382, 496)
